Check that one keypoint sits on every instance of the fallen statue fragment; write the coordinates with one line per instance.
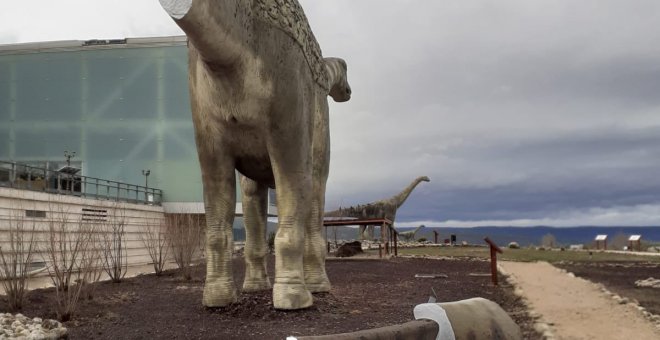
(476, 318)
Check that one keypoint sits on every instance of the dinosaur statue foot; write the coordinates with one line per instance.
(316, 285)
(219, 293)
(291, 296)
(256, 284)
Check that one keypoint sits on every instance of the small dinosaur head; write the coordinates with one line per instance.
(425, 179)
(340, 90)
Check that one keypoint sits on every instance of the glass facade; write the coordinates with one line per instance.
(121, 107)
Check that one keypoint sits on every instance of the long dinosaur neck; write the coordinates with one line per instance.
(417, 229)
(215, 28)
(399, 199)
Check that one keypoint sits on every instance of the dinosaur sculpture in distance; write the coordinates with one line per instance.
(386, 208)
(410, 235)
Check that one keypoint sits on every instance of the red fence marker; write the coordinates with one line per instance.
(494, 249)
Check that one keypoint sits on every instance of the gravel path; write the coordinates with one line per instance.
(576, 308)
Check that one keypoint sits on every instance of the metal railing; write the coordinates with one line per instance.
(22, 176)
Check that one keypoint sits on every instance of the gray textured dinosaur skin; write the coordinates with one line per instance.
(258, 91)
(386, 208)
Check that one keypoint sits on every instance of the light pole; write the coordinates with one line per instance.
(146, 174)
(68, 155)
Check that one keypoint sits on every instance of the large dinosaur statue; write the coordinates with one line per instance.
(258, 92)
(386, 208)
(410, 235)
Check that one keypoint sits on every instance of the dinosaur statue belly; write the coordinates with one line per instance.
(257, 169)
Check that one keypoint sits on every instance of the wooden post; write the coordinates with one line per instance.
(328, 243)
(380, 250)
(435, 237)
(361, 231)
(494, 249)
(384, 237)
(396, 244)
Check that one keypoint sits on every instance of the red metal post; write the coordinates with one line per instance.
(493, 265)
(380, 250)
(494, 249)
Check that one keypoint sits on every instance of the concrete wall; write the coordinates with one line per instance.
(14, 203)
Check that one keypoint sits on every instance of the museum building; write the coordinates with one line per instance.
(122, 106)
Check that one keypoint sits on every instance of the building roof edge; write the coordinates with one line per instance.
(82, 45)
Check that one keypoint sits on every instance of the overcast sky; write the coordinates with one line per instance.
(521, 112)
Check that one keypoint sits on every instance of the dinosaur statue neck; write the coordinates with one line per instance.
(417, 229)
(218, 41)
(400, 198)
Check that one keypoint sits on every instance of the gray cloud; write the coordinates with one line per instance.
(516, 110)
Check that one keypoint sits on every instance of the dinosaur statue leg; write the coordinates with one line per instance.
(220, 203)
(290, 158)
(255, 205)
(316, 278)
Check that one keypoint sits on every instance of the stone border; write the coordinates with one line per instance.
(21, 327)
(632, 303)
(546, 328)
(542, 326)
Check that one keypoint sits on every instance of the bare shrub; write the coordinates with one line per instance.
(16, 259)
(184, 232)
(155, 240)
(71, 251)
(113, 245)
(619, 241)
(96, 263)
(549, 241)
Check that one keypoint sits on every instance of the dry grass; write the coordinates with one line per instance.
(526, 255)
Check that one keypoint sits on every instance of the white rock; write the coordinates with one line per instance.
(541, 327)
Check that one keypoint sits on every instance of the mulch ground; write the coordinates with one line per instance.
(365, 294)
(620, 277)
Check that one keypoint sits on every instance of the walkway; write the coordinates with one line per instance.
(576, 307)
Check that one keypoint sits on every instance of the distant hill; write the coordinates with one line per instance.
(501, 235)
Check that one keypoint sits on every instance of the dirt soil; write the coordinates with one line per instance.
(620, 277)
(577, 308)
(365, 294)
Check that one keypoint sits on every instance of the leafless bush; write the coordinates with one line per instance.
(155, 240)
(619, 241)
(16, 259)
(96, 263)
(184, 232)
(549, 240)
(73, 256)
(113, 245)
